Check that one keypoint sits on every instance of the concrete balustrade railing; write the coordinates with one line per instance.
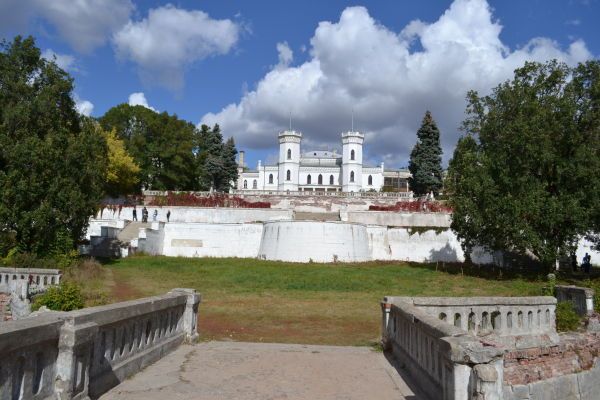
(453, 347)
(445, 361)
(84, 353)
(502, 316)
(13, 278)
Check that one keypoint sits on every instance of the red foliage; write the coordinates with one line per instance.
(214, 200)
(414, 206)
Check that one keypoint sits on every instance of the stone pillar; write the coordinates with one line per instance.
(190, 315)
(486, 381)
(75, 346)
(386, 306)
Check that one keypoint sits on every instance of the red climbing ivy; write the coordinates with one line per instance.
(214, 200)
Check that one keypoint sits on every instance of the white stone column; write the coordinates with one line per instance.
(73, 364)
(190, 315)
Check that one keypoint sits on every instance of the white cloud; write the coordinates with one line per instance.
(139, 99)
(286, 56)
(64, 61)
(84, 24)
(171, 39)
(357, 63)
(84, 107)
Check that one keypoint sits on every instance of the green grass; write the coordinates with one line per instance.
(254, 300)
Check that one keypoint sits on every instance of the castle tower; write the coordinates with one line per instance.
(352, 156)
(289, 160)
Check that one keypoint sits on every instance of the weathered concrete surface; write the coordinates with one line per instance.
(245, 371)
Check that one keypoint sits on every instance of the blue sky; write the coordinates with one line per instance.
(248, 64)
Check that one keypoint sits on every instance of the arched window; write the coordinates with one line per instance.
(352, 154)
(289, 154)
(331, 180)
(245, 184)
(320, 179)
(370, 180)
(289, 175)
(351, 176)
(270, 178)
(254, 184)
(308, 180)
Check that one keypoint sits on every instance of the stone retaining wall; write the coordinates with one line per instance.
(83, 353)
(570, 370)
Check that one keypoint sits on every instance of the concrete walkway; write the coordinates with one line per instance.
(253, 371)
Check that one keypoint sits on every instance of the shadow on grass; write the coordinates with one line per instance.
(531, 273)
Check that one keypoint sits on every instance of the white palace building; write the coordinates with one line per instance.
(325, 171)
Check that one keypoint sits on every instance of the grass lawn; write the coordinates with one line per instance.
(253, 300)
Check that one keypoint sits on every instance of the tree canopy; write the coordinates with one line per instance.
(52, 161)
(525, 177)
(172, 153)
(161, 144)
(426, 159)
(123, 173)
(217, 168)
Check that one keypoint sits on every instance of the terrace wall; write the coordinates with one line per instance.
(398, 219)
(199, 214)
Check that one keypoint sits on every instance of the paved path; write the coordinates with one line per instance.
(257, 371)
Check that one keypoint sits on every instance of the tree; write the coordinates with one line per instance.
(217, 168)
(52, 161)
(122, 174)
(526, 176)
(426, 159)
(161, 144)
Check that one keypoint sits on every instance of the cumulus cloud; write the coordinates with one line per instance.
(84, 24)
(64, 61)
(358, 64)
(139, 99)
(84, 107)
(170, 39)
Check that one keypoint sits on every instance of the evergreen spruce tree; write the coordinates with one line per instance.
(426, 159)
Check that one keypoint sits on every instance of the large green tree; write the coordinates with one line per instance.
(52, 160)
(526, 176)
(161, 144)
(216, 164)
(426, 159)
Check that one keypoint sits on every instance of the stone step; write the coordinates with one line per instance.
(131, 231)
(316, 216)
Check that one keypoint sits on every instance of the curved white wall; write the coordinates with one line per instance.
(303, 241)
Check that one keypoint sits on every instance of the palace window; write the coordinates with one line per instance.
(289, 154)
(289, 175)
(331, 180)
(320, 179)
(254, 184)
(271, 179)
(352, 155)
(351, 176)
(370, 180)
(245, 184)
(308, 180)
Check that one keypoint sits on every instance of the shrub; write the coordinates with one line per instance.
(65, 297)
(566, 317)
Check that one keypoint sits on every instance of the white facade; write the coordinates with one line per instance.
(314, 170)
